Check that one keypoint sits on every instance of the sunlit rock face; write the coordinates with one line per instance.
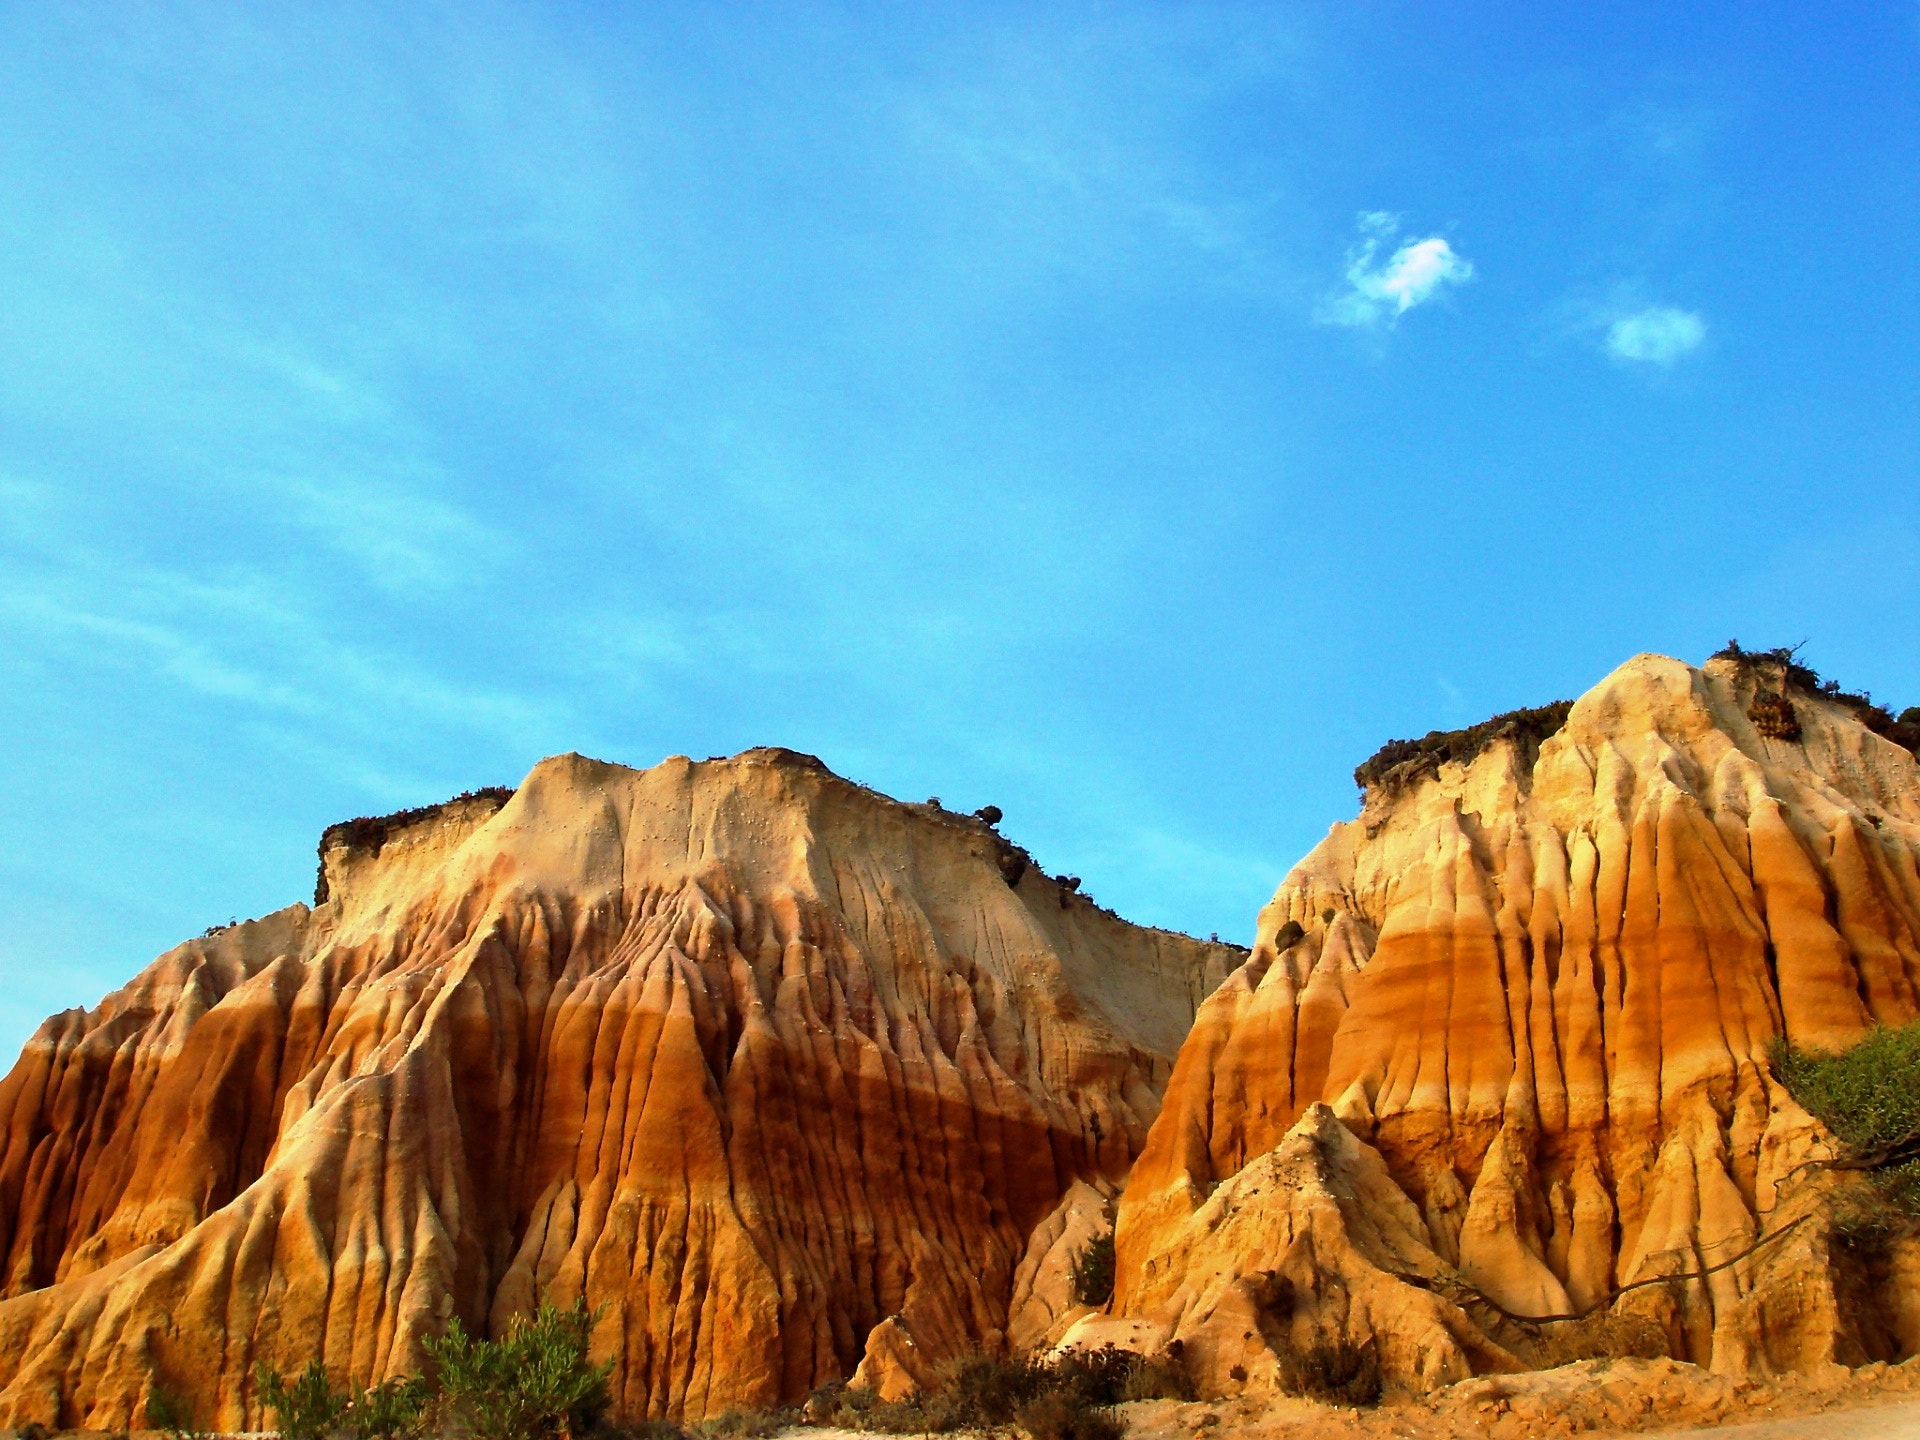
(1537, 990)
(753, 1059)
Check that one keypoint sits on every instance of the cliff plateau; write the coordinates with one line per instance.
(773, 1070)
(1501, 1051)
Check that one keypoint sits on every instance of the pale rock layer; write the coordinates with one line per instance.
(1539, 992)
(1046, 1289)
(750, 1058)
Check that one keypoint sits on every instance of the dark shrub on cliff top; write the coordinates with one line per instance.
(1400, 763)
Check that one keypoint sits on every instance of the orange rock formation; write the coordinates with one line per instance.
(764, 1064)
(1505, 1036)
(791, 1079)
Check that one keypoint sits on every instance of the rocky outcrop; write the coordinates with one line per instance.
(754, 1060)
(1311, 1241)
(786, 1078)
(1047, 1291)
(1533, 987)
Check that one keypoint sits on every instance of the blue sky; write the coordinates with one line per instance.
(1127, 415)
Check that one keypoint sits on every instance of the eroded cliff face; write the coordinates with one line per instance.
(1537, 992)
(751, 1057)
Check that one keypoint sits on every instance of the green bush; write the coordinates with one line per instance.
(1093, 1271)
(389, 1411)
(532, 1383)
(309, 1408)
(171, 1414)
(1868, 1095)
(734, 1425)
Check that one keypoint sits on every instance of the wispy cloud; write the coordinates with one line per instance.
(389, 524)
(245, 638)
(1042, 138)
(1655, 335)
(1381, 291)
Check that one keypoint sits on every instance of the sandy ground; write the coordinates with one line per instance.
(1885, 1422)
(1596, 1398)
(1649, 1399)
(1291, 1420)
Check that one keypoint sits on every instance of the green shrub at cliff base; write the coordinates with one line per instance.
(389, 1411)
(309, 1408)
(533, 1383)
(170, 1414)
(1869, 1096)
(304, 1408)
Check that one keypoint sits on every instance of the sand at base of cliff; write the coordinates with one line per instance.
(1593, 1398)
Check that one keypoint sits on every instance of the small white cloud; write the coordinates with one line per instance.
(1659, 334)
(1382, 291)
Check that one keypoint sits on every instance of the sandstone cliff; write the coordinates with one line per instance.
(757, 1060)
(1501, 1049)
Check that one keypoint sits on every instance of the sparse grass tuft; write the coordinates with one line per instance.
(1156, 1377)
(1057, 1415)
(368, 833)
(743, 1425)
(1335, 1370)
(1069, 1399)
(1596, 1337)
